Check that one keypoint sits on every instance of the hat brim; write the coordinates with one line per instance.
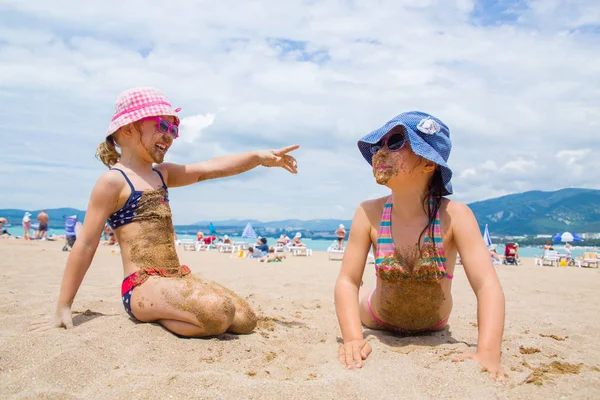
(417, 145)
(153, 111)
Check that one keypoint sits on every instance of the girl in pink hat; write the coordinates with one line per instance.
(133, 196)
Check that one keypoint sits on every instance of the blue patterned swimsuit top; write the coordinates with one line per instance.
(141, 205)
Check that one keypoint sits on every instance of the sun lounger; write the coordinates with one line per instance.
(188, 244)
(591, 260)
(549, 258)
(301, 251)
(370, 258)
(334, 253)
(225, 247)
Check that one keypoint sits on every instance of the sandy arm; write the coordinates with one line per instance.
(103, 201)
(181, 175)
(347, 288)
(484, 282)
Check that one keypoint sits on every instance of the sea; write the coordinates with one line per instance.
(323, 245)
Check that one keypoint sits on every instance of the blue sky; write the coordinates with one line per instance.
(516, 82)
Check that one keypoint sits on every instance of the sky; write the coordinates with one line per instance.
(517, 82)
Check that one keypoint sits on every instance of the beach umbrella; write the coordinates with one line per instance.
(567, 237)
(249, 232)
(211, 229)
(486, 237)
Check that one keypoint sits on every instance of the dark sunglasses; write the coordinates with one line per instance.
(394, 142)
(164, 126)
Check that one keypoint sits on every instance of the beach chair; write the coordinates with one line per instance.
(591, 259)
(334, 253)
(550, 257)
(283, 249)
(301, 251)
(370, 258)
(224, 247)
(188, 244)
(201, 246)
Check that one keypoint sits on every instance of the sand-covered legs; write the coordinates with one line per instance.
(191, 306)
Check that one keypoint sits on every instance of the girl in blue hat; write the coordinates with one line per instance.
(416, 233)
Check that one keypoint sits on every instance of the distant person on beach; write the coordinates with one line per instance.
(547, 246)
(281, 241)
(416, 233)
(199, 236)
(3, 224)
(253, 253)
(517, 253)
(568, 253)
(26, 221)
(297, 241)
(227, 240)
(496, 259)
(341, 235)
(133, 196)
(43, 219)
(272, 256)
(262, 245)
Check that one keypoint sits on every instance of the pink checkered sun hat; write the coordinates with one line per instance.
(137, 103)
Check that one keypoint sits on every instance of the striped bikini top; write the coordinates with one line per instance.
(391, 266)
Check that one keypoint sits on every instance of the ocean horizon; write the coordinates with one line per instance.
(323, 244)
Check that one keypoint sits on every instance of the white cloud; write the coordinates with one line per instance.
(519, 97)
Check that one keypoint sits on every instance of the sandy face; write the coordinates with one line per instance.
(386, 166)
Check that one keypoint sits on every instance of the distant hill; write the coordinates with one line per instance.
(535, 212)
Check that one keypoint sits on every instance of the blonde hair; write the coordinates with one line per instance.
(107, 152)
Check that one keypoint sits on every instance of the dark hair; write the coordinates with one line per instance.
(263, 240)
(432, 202)
(251, 249)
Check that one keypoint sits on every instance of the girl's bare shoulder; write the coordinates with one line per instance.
(373, 209)
(454, 208)
(453, 212)
(373, 206)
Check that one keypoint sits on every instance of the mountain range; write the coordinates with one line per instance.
(533, 212)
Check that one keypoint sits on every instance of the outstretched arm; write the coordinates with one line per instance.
(486, 286)
(182, 175)
(355, 348)
(102, 203)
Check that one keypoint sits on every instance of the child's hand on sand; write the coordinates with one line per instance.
(353, 352)
(489, 362)
(62, 318)
(279, 158)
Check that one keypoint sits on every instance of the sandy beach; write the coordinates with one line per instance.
(550, 347)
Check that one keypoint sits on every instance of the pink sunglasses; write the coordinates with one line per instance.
(164, 126)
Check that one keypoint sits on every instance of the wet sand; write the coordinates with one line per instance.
(550, 347)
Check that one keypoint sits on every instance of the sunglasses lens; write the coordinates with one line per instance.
(395, 141)
(163, 126)
(174, 131)
(375, 148)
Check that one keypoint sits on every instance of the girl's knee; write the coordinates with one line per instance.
(217, 315)
(245, 321)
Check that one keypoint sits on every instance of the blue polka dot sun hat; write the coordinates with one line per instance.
(427, 136)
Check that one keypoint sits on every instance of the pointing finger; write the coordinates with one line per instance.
(287, 149)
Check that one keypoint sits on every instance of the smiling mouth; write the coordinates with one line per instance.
(161, 147)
